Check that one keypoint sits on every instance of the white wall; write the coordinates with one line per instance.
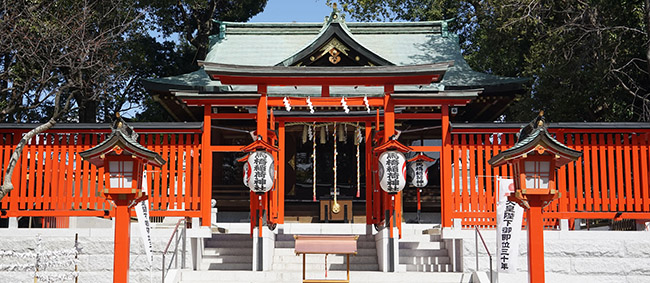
(571, 256)
(96, 256)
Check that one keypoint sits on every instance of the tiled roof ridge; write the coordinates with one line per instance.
(432, 27)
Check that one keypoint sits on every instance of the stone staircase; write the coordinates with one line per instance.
(285, 258)
(228, 258)
(228, 252)
(423, 253)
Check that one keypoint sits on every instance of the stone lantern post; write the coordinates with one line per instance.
(534, 159)
(123, 159)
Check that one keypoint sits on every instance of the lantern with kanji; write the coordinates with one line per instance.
(261, 172)
(259, 169)
(419, 170)
(392, 166)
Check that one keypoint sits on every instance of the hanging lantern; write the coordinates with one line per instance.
(420, 174)
(261, 171)
(247, 174)
(419, 170)
(392, 171)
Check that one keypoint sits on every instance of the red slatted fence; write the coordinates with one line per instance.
(51, 180)
(610, 180)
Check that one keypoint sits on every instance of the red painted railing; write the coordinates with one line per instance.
(52, 180)
(609, 181)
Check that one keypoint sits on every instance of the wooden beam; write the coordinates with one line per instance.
(418, 116)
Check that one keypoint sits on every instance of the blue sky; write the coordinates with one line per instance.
(287, 11)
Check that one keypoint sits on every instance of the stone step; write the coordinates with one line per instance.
(233, 236)
(418, 237)
(434, 268)
(421, 245)
(315, 265)
(360, 252)
(292, 244)
(330, 259)
(226, 266)
(290, 237)
(228, 251)
(189, 276)
(423, 252)
(425, 260)
(228, 259)
(229, 244)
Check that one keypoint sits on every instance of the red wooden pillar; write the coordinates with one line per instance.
(272, 195)
(281, 165)
(206, 173)
(393, 202)
(535, 242)
(378, 194)
(445, 169)
(369, 186)
(257, 206)
(122, 246)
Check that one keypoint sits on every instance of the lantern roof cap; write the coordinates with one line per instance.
(421, 156)
(243, 158)
(125, 138)
(259, 144)
(530, 137)
(393, 144)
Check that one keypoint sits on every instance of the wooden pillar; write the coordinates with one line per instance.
(445, 169)
(206, 162)
(122, 239)
(281, 165)
(272, 195)
(378, 194)
(369, 188)
(535, 242)
(392, 202)
(257, 206)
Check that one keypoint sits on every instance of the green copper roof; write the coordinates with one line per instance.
(268, 44)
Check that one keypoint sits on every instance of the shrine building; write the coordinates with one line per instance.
(380, 130)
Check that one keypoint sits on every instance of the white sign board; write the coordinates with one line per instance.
(142, 212)
(509, 217)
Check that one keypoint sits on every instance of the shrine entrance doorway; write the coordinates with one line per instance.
(307, 202)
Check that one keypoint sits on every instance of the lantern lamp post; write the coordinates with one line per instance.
(534, 159)
(259, 177)
(419, 175)
(123, 160)
(392, 179)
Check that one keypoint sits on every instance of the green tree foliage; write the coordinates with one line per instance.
(195, 20)
(83, 60)
(588, 60)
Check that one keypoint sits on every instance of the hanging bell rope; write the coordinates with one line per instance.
(336, 208)
(357, 141)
